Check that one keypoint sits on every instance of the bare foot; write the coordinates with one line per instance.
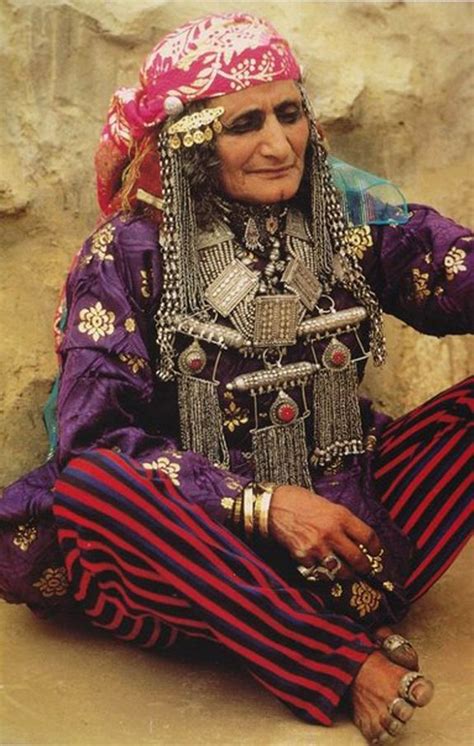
(375, 688)
(397, 648)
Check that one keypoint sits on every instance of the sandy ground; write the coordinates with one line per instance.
(64, 684)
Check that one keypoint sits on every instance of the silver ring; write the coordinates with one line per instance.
(400, 709)
(329, 567)
(309, 573)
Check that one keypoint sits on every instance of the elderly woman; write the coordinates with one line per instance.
(215, 473)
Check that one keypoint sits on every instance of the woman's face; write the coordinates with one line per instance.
(262, 146)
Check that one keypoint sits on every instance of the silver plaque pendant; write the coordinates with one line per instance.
(299, 278)
(231, 286)
(276, 318)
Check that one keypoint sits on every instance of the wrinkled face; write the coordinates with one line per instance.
(262, 146)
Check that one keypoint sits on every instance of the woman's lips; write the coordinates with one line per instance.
(273, 173)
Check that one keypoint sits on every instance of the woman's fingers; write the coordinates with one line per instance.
(362, 534)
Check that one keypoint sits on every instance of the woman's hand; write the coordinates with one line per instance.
(311, 528)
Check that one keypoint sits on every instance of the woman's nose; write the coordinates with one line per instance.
(275, 143)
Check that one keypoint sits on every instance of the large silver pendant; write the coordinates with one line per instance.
(276, 319)
(231, 286)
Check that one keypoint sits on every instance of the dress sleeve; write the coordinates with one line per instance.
(108, 397)
(422, 271)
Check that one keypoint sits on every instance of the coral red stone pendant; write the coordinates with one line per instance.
(284, 410)
(192, 360)
(336, 356)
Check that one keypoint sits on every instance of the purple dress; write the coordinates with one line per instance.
(421, 272)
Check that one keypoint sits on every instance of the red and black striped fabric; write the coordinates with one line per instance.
(425, 476)
(149, 565)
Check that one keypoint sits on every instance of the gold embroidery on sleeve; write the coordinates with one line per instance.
(167, 466)
(364, 598)
(96, 321)
(25, 535)
(130, 325)
(358, 240)
(454, 262)
(53, 582)
(419, 286)
(101, 240)
(134, 362)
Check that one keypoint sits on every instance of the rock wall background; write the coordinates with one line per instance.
(392, 82)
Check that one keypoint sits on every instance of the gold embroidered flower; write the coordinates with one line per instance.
(130, 325)
(234, 416)
(96, 321)
(336, 590)
(227, 503)
(232, 484)
(419, 286)
(364, 598)
(145, 274)
(101, 240)
(438, 290)
(165, 465)
(53, 582)
(429, 257)
(358, 240)
(25, 535)
(454, 262)
(133, 361)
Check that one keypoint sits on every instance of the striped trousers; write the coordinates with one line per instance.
(150, 566)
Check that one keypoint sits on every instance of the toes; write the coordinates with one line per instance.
(401, 710)
(400, 651)
(383, 737)
(415, 689)
(392, 725)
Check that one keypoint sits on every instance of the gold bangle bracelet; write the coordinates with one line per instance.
(237, 512)
(264, 511)
(248, 501)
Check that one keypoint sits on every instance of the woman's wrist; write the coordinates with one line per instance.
(250, 515)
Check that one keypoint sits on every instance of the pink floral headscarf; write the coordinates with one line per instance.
(208, 57)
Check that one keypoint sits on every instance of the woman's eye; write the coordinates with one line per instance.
(289, 115)
(244, 125)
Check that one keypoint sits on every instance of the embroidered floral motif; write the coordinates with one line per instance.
(227, 503)
(336, 590)
(134, 362)
(429, 257)
(419, 286)
(388, 585)
(364, 598)
(96, 321)
(167, 467)
(438, 290)
(53, 582)
(130, 325)
(145, 288)
(234, 416)
(232, 484)
(101, 240)
(25, 535)
(454, 262)
(358, 240)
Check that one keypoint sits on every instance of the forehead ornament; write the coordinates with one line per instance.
(194, 129)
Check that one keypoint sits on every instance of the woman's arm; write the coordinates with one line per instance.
(422, 271)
